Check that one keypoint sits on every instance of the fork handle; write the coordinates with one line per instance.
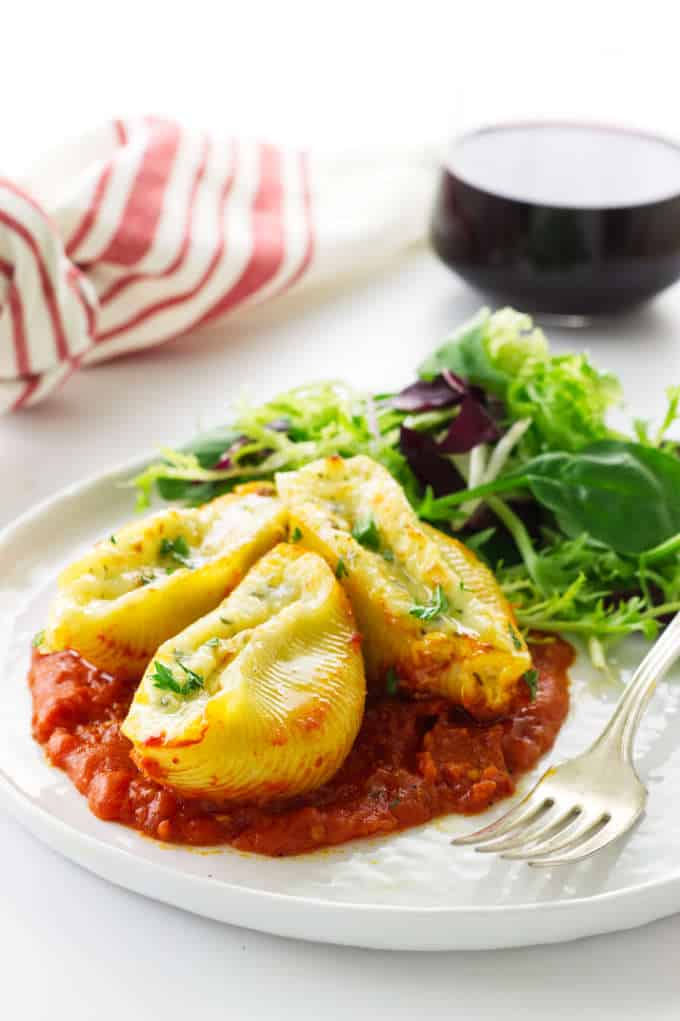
(622, 727)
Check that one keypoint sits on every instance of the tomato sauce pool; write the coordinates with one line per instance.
(413, 760)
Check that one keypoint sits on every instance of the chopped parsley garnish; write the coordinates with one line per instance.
(341, 569)
(113, 539)
(463, 587)
(388, 555)
(392, 681)
(146, 577)
(212, 643)
(580, 569)
(530, 678)
(38, 639)
(437, 606)
(193, 678)
(516, 641)
(227, 623)
(393, 803)
(366, 533)
(177, 549)
(296, 535)
(164, 679)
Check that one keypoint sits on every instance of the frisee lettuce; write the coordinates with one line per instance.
(321, 419)
(573, 574)
(564, 396)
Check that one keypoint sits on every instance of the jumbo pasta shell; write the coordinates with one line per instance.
(155, 576)
(397, 571)
(261, 698)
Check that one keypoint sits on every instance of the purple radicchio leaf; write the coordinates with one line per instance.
(225, 460)
(427, 464)
(457, 384)
(471, 426)
(479, 394)
(442, 392)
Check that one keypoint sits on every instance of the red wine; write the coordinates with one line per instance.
(561, 218)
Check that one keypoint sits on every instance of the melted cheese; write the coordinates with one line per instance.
(471, 651)
(277, 693)
(154, 577)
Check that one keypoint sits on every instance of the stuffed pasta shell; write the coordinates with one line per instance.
(152, 578)
(261, 698)
(431, 615)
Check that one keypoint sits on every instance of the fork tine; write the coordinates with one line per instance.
(574, 849)
(515, 834)
(561, 836)
(524, 811)
(521, 842)
(574, 852)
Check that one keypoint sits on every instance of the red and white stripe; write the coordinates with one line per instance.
(160, 229)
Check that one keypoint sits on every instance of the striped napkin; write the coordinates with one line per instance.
(145, 229)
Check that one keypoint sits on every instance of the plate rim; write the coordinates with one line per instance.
(109, 859)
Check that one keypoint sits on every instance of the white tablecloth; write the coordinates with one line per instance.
(71, 945)
(66, 923)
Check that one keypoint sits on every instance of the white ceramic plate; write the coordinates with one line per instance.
(410, 891)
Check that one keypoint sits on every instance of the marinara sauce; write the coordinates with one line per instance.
(413, 759)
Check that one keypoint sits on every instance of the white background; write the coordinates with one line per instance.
(328, 75)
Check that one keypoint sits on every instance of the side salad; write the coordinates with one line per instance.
(504, 445)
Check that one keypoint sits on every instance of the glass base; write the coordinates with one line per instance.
(569, 322)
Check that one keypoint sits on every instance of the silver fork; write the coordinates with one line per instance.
(582, 805)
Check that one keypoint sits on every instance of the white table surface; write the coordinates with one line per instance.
(72, 945)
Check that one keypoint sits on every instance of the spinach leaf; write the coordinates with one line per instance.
(210, 446)
(176, 489)
(465, 355)
(623, 495)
